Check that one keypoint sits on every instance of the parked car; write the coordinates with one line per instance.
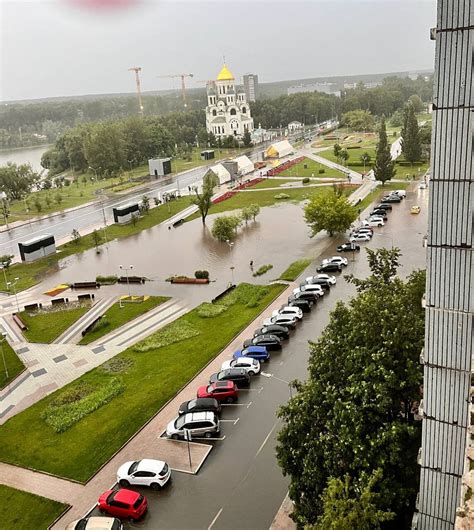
(348, 247)
(96, 523)
(255, 352)
(225, 391)
(304, 305)
(146, 472)
(360, 236)
(401, 193)
(337, 259)
(329, 277)
(287, 310)
(199, 425)
(123, 503)
(423, 186)
(288, 321)
(200, 405)
(310, 288)
(275, 329)
(251, 366)
(415, 209)
(329, 267)
(271, 342)
(384, 206)
(391, 198)
(315, 280)
(379, 213)
(306, 296)
(238, 375)
(373, 222)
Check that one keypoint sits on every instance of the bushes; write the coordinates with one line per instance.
(282, 196)
(247, 294)
(79, 401)
(201, 275)
(225, 227)
(305, 180)
(321, 171)
(262, 270)
(117, 365)
(174, 332)
(106, 280)
(207, 310)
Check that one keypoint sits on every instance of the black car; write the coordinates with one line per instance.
(238, 375)
(329, 267)
(384, 206)
(391, 198)
(304, 305)
(271, 342)
(380, 213)
(200, 405)
(348, 247)
(314, 280)
(306, 295)
(275, 329)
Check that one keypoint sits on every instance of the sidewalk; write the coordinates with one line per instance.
(282, 519)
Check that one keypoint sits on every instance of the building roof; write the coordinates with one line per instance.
(225, 74)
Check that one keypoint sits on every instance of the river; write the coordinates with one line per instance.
(24, 155)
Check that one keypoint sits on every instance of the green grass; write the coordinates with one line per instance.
(45, 327)
(150, 378)
(116, 316)
(273, 183)
(353, 161)
(380, 191)
(401, 172)
(295, 269)
(14, 365)
(298, 170)
(30, 274)
(20, 510)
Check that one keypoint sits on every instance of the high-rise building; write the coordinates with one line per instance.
(251, 86)
(449, 341)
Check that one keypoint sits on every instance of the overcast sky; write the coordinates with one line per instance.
(67, 47)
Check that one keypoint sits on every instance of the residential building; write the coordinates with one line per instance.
(251, 86)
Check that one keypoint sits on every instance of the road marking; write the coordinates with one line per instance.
(235, 422)
(236, 404)
(215, 519)
(210, 439)
(282, 363)
(251, 389)
(248, 406)
(266, 438)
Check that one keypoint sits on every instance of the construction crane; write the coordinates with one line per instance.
(137, 70)
(183, 84)
(207, 81)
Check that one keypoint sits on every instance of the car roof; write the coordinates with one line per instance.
(126, 496)
(222, 384)
(198, 416)
(148, 464)
(92, 523)
(243, 359)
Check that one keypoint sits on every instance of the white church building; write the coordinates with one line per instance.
(227, 111)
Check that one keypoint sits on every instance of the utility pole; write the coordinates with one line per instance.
(137, 70)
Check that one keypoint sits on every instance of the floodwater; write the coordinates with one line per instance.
(278, 237)
(27, 155)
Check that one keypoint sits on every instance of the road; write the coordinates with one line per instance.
(240, 485)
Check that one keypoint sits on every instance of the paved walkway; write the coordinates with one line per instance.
(282, 519)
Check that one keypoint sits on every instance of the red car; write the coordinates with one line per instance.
(123, 503)
(220, 390)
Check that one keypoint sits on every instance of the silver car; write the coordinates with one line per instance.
(198, 424)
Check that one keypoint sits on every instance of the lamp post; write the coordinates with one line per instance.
(4, 338)
(95, 171)
(271, 376)
(126, 269)
(232, 268)
(12, 285)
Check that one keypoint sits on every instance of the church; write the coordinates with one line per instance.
(227, 111)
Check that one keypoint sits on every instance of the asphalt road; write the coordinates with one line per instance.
(240, 486)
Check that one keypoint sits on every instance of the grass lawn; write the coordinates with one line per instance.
(150, 378)
(273, 183)
(20, 510)
(295, 269)
(380, 191)
(298, 170)
(116, 317)
(403, 171)
(31, 273)
(47, 326)
(14, 365)
(353, 161)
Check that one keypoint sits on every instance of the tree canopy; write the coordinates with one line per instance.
(358, 120)
(384, 168)
(203, 199)
(331, 212)
(17, 180)
(411, 145)
(225, 227)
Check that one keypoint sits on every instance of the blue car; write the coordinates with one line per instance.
(254, 352)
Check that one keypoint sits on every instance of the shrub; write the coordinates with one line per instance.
(174, 332)
(117, 365)
(207, 310)
(282, 196)
(106, 280)
(247, 294)
(262, 270)
(100, 324)
(201, 275)
(321, 171)
(305, 180)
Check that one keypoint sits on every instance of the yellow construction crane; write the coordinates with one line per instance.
(183, 84)
(137, 70)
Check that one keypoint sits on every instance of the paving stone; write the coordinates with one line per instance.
(80, 362)
(39, 372)
(23, 350)
(98, 349)
(59, 358)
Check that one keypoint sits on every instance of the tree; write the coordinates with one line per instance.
(75, 236)
(358, 120)
(96, 237)
(145, 204)
(250, 212)
(365, 158)
(203, 199)
(38, 205)
(47, 184)
(16, 180)
(352, 505)
(254, 210)
(247, 139)
(354, 413)
(384, 168)
(411, 145)
(416, 102)
(336, 150)
(6, 260)
(225, 227)
(330, 212)
(425, 140)
(343, 156)
(104, 148)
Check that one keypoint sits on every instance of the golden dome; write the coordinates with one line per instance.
(225, 74)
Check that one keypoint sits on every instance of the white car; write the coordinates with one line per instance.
(360, 237)
(251, 366)
(401, 193)
(329, 277)
(146, 472)
(197, 424)
(95, 523)
(340, 260)
(423, 186)
(309, 288)
(373, 221)
(287, 310)
(281, 320)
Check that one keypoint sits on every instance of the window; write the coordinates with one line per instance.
(233, 112)
(214, 112)
(244, 110)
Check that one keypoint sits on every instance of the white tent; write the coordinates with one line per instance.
(221, 172)
(244, 164)
(279, 149)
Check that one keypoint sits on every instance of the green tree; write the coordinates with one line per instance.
(343, 156)
(336, 150)
(365, 158)
(6, 260)
(384, 168)
(358, 120)
(203, 199)
(411, 145)
(246, 214)
(416, 102)
(254, 210)
(97, 238)
(16, 180)
(225, 228)
(58, 198)
(75, 236)
(330, 212)
(353, 414)
(145, 204)
(105, 148)
(247, 139)
(38, 205)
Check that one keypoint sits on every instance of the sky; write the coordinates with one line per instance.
(73, 47)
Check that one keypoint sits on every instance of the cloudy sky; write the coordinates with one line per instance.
(71, 47)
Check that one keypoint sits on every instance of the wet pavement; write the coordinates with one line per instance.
(240, 486)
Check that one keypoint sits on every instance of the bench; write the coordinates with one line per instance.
(90, 326)
(85, 285)
(221, 295)
(59, 301)
(19, 322)
(131, 279)
(179, 222)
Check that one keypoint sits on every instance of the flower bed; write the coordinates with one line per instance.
(189, 280)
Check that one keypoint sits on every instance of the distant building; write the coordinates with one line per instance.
(260, 135)
(251, 86)
(372, 84)
(294, 126)
(327, 88)
(159, 167)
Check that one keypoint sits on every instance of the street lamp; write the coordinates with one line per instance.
(231, 246)
(271, 376)
(4, 338)
(95, 171)
(126, 269)
(12, 285)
